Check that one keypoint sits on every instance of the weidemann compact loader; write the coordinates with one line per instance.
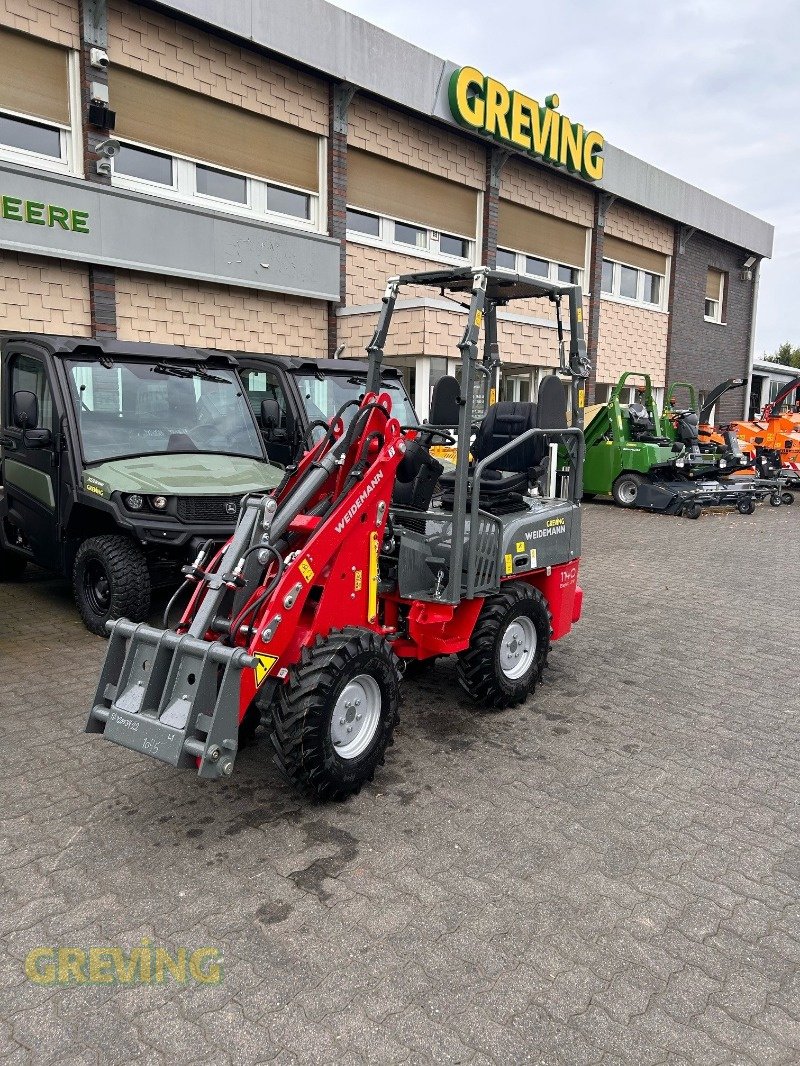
(350, 568)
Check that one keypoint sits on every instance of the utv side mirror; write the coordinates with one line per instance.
(270, 414)
(25, 410)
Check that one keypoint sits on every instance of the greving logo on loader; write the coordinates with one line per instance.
(359, 502)
(553, 528)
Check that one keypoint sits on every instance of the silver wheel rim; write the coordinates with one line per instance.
(627, 491)
(356, 716)
(518, 647)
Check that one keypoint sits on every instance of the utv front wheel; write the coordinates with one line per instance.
(625, 489)
(110, 580)
(508, 648)
(334, 719)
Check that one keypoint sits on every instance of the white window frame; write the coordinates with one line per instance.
(386, 239)
(716, 317)
(70, 160)
(552, 264)
(184, 190)
(638, 301)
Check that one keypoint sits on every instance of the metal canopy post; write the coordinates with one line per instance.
(468, 346)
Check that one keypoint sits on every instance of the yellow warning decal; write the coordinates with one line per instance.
(533, 558)
(478, 317)
(581, 397)
(520, 545)
(509, 564)
(492, 397)
(359, 580)
(263, 667)
(306, 571)
(579, 314)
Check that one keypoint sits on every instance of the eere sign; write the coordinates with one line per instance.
(481, 103)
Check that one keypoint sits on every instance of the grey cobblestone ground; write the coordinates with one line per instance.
(607, 875)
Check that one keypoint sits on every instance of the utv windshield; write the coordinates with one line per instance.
(324, 396)
(127, 409)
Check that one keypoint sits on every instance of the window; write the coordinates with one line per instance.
(38, 94)
(29, 375)
(212, 153)
(540, 268)
(147, 170)
(288, 202)
(536, 267)
(407, 237)
(414, 235)
(30, 136)
(715, 288)
(361, 222)
(607, 278)
(628, 283)
(456, 246)
(219, 184)
(140, 163)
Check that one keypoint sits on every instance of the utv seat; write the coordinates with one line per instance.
(643, 430)
(415, 482)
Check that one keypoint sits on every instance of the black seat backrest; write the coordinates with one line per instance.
(551, 408)
(502, 423)
(640, 420)
(444, 402)
(688, 427)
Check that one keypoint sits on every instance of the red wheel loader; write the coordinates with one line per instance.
(367, 557)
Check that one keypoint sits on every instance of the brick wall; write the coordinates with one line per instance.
(705, 353)
(197, 313)
(54, 20)
(177, 52)
(631, 338)
(542, 190)
(639, 227)
(44, 295)
(377, 128)
(368, 270)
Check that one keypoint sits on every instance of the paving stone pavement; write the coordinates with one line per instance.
(608, 874)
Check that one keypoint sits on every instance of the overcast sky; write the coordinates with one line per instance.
(708, 90)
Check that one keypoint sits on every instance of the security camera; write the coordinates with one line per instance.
(108, 148)
(98, 58)
(749, 262)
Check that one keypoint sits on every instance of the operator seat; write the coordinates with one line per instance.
(643, 429)
(506, 481)
(445, 402)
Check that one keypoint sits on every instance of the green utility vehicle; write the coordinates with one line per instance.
(625, 443)
(294, 399)
(119, 462)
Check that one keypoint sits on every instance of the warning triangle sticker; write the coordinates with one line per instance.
(263, 667)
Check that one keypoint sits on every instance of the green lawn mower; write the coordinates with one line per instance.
(639, 460)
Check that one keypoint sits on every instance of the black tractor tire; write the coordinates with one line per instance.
(12, 565)
(521, 609)
(787, 498)
(746, 505)
(312, 717)
(626, 488)
(110, 580)
(694, 510)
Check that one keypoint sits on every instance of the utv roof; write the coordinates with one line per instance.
(501, 285)
(325, 366)
(89, 347)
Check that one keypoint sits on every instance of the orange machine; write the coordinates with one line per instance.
(777, 430)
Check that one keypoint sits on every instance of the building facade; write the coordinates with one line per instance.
(247, 176)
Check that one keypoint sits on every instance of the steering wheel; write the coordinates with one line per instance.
(446, 437)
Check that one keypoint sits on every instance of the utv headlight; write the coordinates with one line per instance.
(723, 463)
(159, 503)
(134, 502)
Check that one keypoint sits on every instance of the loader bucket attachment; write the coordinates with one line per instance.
(172, 697)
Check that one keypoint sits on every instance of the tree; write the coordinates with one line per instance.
(786, 354)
